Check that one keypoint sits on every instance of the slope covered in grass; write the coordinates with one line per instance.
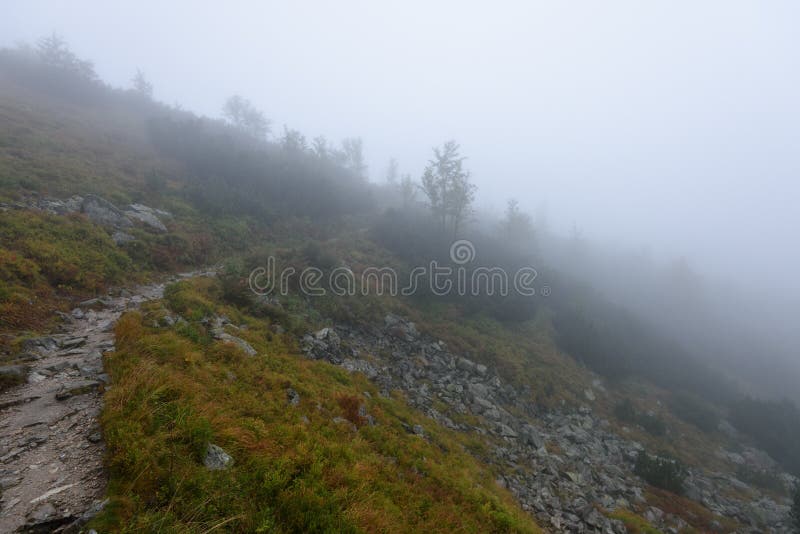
(342, 459)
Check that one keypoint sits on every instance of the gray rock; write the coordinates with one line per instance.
(216, 458)
(103, 212)
(40, 345)
(146, 215)
(292, 397)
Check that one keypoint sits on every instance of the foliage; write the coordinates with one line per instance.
(694, 410)
(447, 186)
(661, 471)
(244, 115)
(625, 411)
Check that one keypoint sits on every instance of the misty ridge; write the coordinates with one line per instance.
(242, 166)
(693, 329)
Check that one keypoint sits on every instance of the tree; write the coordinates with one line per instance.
(352, 156)
(141, 85)
(408, 190)
(244, 115)
(516, 225)
(447, 186)
(53, 51)
(293, 141)
(319, 147)
(391, 172)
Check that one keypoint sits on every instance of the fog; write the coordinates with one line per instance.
(666, 128)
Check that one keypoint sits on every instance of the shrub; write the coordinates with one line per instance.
(661, 471)
(694, 411)
(625, 411)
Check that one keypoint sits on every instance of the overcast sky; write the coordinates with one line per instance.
(669, 123)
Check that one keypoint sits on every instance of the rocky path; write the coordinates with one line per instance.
(51, 448)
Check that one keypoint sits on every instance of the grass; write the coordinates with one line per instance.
(296, 469)
(44, 256)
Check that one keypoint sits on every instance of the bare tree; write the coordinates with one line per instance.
(244, 115)
(447, 186)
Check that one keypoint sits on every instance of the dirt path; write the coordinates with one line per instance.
(51, 448)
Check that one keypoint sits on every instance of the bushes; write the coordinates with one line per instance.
(625, 411)
(695, 411)
(661, 471)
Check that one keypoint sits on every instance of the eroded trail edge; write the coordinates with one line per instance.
(51, 447)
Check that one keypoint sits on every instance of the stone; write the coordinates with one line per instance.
(40, 345)
(216, 458)
(292, 397)
(145, 215)
(104, 213)
(532, 437)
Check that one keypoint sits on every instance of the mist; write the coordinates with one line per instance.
(661, 131)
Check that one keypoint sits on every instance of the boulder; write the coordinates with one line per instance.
(145, 215)
(216, 458)
(103, 212)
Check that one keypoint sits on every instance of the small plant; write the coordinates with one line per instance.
(661, 471)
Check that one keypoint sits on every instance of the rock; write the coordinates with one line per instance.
(80, 389)
(104, 213)
(532, 437)
(506, 431)
(11, 375)
(418, 430)
(589, 394)
(95, 437)
(216, 458)
(241, 343)
(292, 397)
(146, 215)
(329, 336)
(40, 345)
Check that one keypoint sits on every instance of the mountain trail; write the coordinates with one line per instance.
(52, 477)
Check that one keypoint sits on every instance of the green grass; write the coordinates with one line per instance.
(42, 256)
(295, 470)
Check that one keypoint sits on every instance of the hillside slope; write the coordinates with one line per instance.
(372, 412)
